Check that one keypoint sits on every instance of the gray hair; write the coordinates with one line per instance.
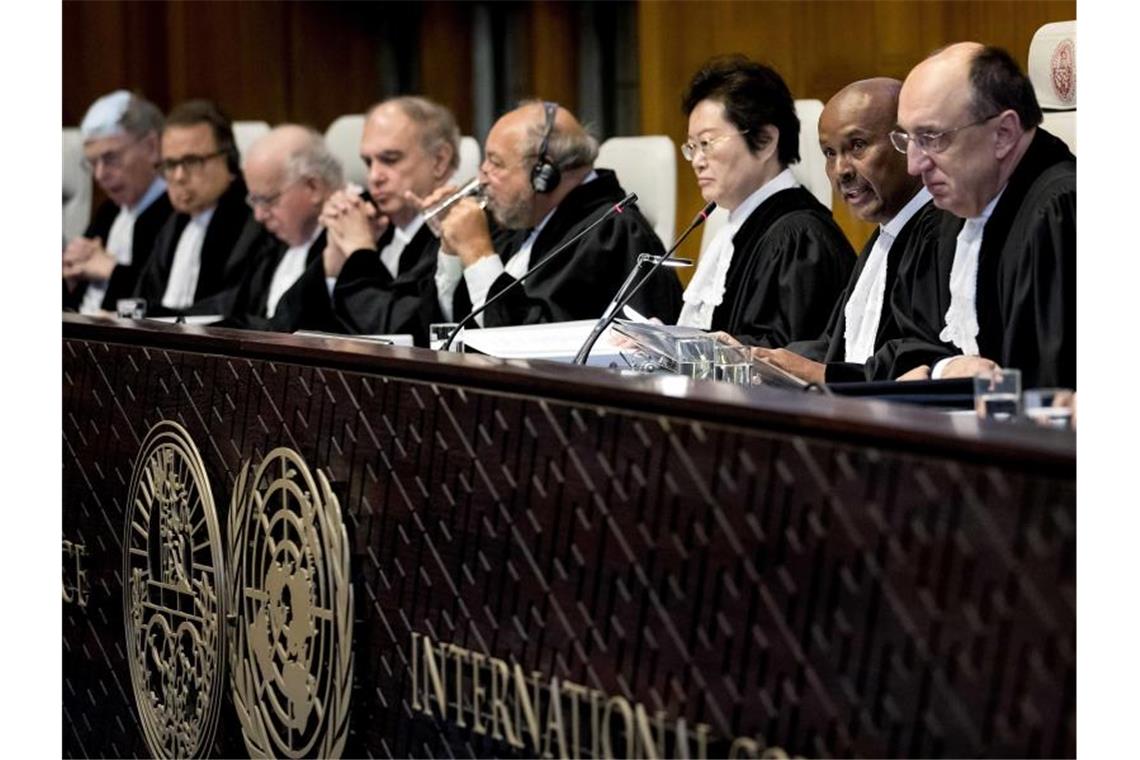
(436, 122)
(314, 159)
(141, 118)
(567, 149)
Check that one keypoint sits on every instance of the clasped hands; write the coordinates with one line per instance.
(87, 259)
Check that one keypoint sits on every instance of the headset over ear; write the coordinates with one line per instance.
(546, 175)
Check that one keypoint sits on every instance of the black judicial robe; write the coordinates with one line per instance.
(367, 299)
(586, 277)
(921, 233)
(304, 306)
(1027, 276)
(125, 276)
(220, 256)
(789, 266)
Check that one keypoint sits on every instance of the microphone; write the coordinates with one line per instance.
(617, 208)
(621, 299)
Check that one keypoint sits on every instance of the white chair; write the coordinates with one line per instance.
(809, 171)
(245, 132)
(76, 185)
(646, 166)
(470, 157)
(1053, 72)
(343, 141)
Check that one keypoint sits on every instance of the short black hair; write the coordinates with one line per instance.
(998, 84)
(195, 112)
(753, 95)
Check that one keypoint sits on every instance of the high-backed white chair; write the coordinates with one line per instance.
(76, 185)
(245, 132)
(343, 141)
(470, 156)
(646, 166)
(809, 171)
(1053, 72)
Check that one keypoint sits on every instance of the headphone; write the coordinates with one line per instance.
(546, 175)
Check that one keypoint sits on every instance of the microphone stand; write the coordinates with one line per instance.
(622, 298)
(617, 208)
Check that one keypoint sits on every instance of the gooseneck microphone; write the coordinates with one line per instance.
(621, 299)
(617, 208)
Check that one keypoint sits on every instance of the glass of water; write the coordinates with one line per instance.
(997, 395)
(694, 357)
(438, 333)
(733, 364)
(130, 308)
(1050, 407)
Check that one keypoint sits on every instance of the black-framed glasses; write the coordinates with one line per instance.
(690, 148)
(111, 159)
(932, 142)
(191, 163)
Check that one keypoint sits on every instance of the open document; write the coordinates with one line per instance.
(556, 341)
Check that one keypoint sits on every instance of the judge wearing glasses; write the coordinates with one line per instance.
(120, 147)
(1001, 288)
(191, 261)
(774, 272)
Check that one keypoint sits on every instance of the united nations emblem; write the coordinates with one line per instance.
(174, 598)
(292, 655)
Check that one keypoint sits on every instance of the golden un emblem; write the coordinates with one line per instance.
(291, 660)
(174, 595)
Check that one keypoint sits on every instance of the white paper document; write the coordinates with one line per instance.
(557, 341)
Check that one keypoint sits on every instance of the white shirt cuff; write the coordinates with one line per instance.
(940, 367)
(480, 276)
(448, 272)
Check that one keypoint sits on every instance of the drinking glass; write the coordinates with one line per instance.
(733, 364)
(437, 336)
(1049, 407)
(997, 395)
(130, 308)
(434, 214)
(694, 357)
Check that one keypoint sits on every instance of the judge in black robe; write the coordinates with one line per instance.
(368, 299)
(305, 305)
(124, 277)
(587, 275)
(779, 275)
(221, 257)
(789, 266)
(918, 236)
(1026, 284)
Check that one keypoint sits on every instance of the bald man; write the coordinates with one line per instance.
(1001, 287)
(871, 177)
(537, 215)
(286, 286)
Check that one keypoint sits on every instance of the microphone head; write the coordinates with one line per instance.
(703, 214)
(628, 200)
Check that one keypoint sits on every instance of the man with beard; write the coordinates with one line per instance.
(411, 147)
(542, 189)
(121, 145)
(1002, 285)
(871, 176)
(192, 266)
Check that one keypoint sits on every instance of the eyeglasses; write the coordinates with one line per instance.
(689, 149)
(191, 163)
(268, 201)
(112, 159)
(931, 142)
